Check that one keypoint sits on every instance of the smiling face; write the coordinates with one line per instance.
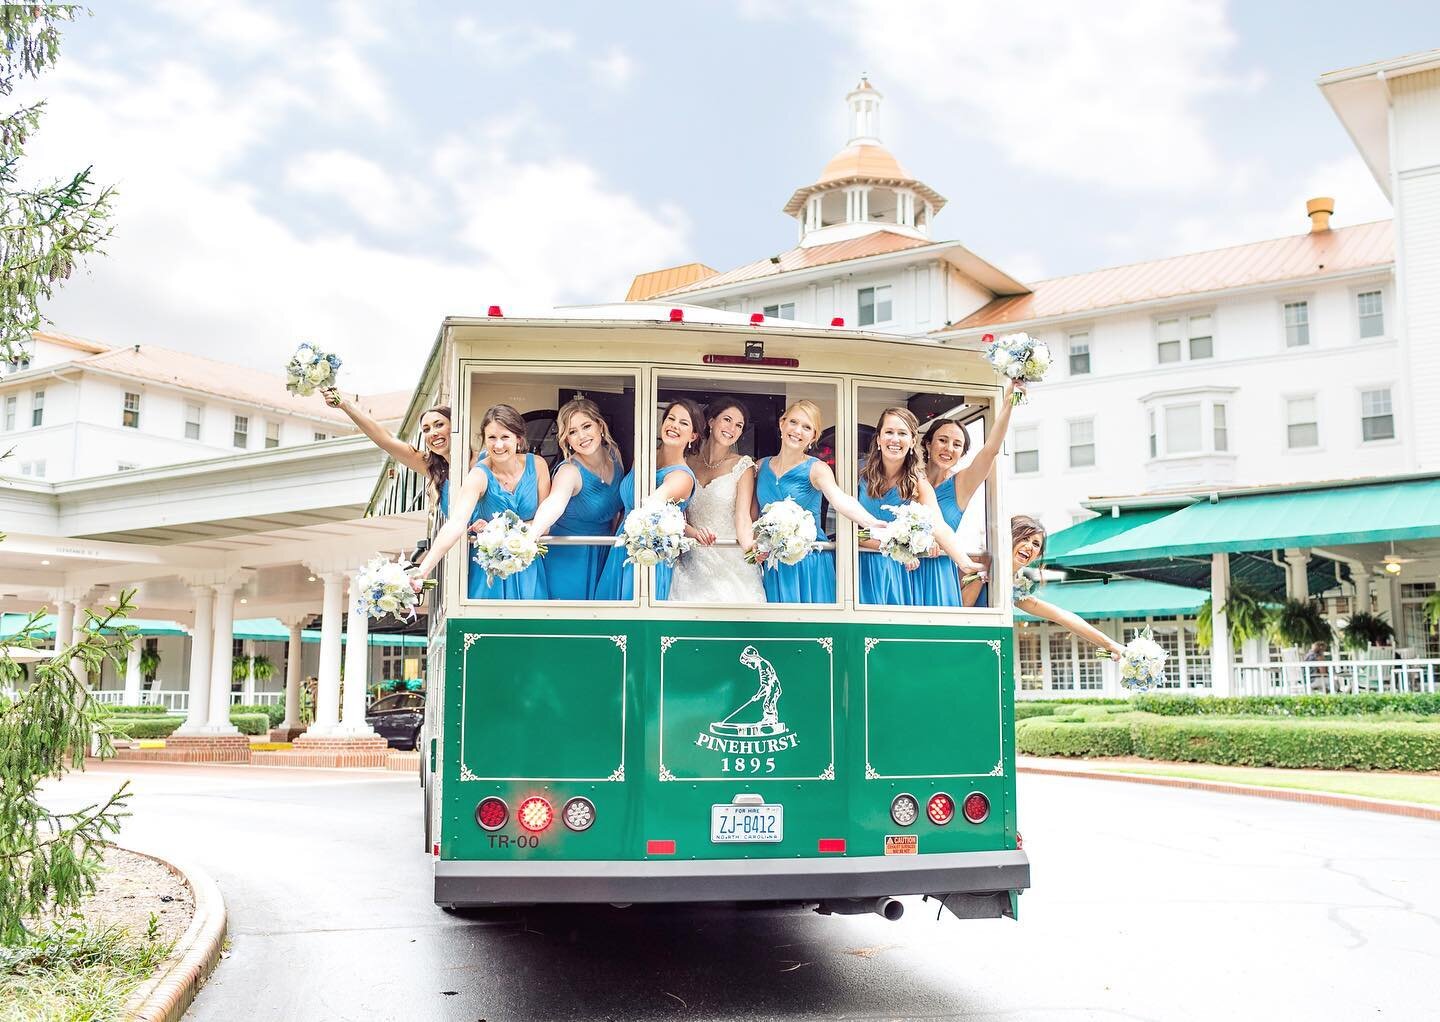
(500, 443)
(583, 435)
(797, 430)
(1027, 550)
(435, 434)
(727, 427)
(678, 428)
(894, 438)
(947, 445)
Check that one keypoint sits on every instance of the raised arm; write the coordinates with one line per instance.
(457, 524)
(968, 479)
(563, 486)
(944, 535)
(382, 438)
(823, 479)
(1064, 618)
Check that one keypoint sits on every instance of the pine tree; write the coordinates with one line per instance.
(48, 860)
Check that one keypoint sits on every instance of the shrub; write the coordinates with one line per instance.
(1318, 744)
(251, 723)
(1053, 737)
(1301, 623)
(110, 710)
(274, 714)
(1365, 630)
(1024, 711)
(146, 726)
(1361, 704)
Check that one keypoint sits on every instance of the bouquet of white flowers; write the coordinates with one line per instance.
(309, 370)
(385, 587)
(1022, 587)
(504, 546)
(1020, 357)
(784, 534)
(654, 533)
(909, 537)
(1142, 664)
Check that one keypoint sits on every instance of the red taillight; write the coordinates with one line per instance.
(832, 844)
(535, 814)
(677, 315)
(653, 847)
(987, 338)
(976, 807)
(940, 808)
(436, 850)
(491, 813)
(494, 310)
(838, 321)
(1019, 841)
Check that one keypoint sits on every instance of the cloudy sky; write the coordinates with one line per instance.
(351, 171)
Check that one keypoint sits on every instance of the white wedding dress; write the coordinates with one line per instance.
(717, 574)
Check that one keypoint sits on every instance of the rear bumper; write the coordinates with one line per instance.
(535, 882)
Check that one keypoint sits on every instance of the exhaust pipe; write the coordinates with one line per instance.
(887, 907)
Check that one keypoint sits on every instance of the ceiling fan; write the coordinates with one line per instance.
(1393, 560)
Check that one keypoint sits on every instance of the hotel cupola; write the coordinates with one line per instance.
(863, 188)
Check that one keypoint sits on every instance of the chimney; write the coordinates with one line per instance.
(1319, 211)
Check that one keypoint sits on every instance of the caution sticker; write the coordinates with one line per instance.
(902, 844)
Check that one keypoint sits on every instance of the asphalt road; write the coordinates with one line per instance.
(1147, 903)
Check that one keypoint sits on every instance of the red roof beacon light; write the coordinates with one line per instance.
(987, 338)
(492, 813)
(535, 814)
(976, 807)
(940, 809)
(494, 310)
(677, 315)
(757, 317)
(838, 321)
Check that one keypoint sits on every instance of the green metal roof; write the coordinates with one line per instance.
(1097, 530)
(1323, 517)
(1121, 597)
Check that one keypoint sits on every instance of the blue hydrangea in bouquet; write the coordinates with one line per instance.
(310, 369)
(1142, 664)
(654, 533)
(1021, 357)
(386, 587)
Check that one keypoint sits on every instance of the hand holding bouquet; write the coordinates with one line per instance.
(309, 370)
(908, 537)
(504, 546)
(387, 587)
(784, 534)
(1142, 663)
(654, 533)
(1021, 357)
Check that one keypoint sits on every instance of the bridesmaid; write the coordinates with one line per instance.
(894, 475)
(584, 500)
(506, 479)
(679, 436)
(936, 583)
(794, 473)
(430, 459)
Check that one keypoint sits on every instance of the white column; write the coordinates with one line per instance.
(1360, 579)
(218, 720)
(292, 676)
(248, 696)
(132, 675)
(1297, 577)
(327, 697)
(357, 669)
(1221, 673)
(77, 632)
(198, 683)
(64, 623)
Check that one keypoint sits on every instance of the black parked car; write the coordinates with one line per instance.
(398, 718)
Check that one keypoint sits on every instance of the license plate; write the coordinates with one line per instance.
(746, 823)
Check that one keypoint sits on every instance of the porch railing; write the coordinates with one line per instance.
(257, 698)
(1336, 677)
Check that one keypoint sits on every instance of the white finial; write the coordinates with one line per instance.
(864, 102)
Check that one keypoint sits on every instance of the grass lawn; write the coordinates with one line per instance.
(1422, 788)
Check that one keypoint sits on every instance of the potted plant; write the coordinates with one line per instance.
(1246, 613)
(1365, 630)
(263, 667)
(239, 669)
(1300, 623)
(149, 664)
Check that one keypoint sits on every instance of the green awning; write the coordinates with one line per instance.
(1099, 529)
(1323, 517)
(11, 624)
(1121, 597)
(260, 629)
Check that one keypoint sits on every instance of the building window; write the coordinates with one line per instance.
(1028, 658)
(193, 415)
(272, 434)
(36, 468)
(1027, 449)
(1180, 334)
(875, 305)
(1377, 418)
(1182, 429)
(130, 414)
(1167, 340)
(1202, 337)
(1297, 324)
(1371, 307)
(1222, 432)
(242, 431)
(1080, 353)
(1062, 660)
(20, 355)
(1082, 443)
(37, 408)
(1154, 440)
(322, 436)
(785, 310)
(11, 402)
(1302, 425)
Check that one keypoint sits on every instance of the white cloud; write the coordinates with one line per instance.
(511, 45)
(385, 201)
(232, 24)
(614, 69)
(1105, 93)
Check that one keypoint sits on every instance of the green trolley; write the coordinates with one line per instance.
(832, 754)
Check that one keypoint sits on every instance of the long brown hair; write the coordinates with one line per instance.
(581, 406)
(437, 468)
(697, 421)
(510, 419)
(1022, 527)
(724, 404)
(873, 474)
(934, 427)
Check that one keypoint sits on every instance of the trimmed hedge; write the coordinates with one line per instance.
(251, 723)
(274, 714)
(146, 726)
(1324, 745)
(1360, 704)
(132, 711)
(1041, 737)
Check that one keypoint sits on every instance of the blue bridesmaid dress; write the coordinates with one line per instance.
(470, 570)
(572, 572)
(936, 583)
(882, 579)
(617, 581)
(813, 579)
(524, 500)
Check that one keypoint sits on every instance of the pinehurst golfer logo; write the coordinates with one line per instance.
(752, 737)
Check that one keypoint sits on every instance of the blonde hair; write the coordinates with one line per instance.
(581, 406)
(811, 410)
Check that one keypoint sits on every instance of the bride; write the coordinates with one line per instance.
(720, 512)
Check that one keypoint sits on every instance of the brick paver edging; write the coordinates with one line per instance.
(165, 995)
(1369, 805)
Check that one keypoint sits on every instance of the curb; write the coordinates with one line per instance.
(1369, 805)
(165, 995)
